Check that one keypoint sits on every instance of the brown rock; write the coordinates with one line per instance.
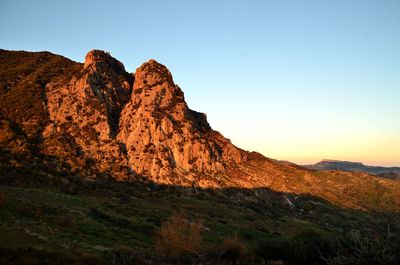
(87, 109)
(164, 138)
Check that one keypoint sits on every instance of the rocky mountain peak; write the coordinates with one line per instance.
(152, 73)
(163, 136)
(97, 120)
(103, 118)
(154, 88)
(102, 58)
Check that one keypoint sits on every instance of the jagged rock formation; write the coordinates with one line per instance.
(95, 119)
(163, 137)
(102, 117)
(84, 113)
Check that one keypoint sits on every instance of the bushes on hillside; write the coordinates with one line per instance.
(180, 240)
(233, 250)
(310, 246)
(178, 236)
(313, 247)
(357, 249)
(306, 248)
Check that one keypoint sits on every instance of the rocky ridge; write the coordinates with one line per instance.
(129, 124)
(97, 120)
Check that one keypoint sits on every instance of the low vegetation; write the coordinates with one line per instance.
(178, 236)
(107, 222)
(358, 249)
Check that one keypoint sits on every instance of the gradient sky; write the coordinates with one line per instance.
(294, 80)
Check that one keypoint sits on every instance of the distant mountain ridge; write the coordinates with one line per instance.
(329, 164)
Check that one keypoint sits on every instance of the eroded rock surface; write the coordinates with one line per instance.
(85, 111)
(98, 116)
(164, 138)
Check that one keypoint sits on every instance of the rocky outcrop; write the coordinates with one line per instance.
(85, 113)
(127, 125)
(164, 138)
(97, 120)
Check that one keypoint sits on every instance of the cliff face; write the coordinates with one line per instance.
(126, 125)
(95, 119)
(163, 137)
(84, 115)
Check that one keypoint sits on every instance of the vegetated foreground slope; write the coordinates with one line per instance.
(51, 218)
(97, 120)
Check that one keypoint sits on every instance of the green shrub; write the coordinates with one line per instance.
(311, 245)
(308, 247)
(362, 250)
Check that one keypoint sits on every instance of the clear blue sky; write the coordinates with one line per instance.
(295, 80)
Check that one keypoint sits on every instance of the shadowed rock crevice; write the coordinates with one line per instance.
(110, 83)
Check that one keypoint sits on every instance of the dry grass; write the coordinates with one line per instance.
(178, 236)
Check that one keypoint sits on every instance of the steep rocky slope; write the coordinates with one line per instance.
(165, 139)
(95, 119)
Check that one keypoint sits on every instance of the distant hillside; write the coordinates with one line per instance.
(384, 172)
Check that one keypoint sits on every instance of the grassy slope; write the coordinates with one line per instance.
(104, 216)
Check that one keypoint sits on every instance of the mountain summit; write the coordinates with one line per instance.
(163, 137)
(100, 118)
(97, 120)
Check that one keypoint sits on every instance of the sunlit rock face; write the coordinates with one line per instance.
(100, 118)
(86, 110)
(164, 138)
(96, 120)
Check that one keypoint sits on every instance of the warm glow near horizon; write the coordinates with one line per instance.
(307, 131)
(313, 144)
(381, 152)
